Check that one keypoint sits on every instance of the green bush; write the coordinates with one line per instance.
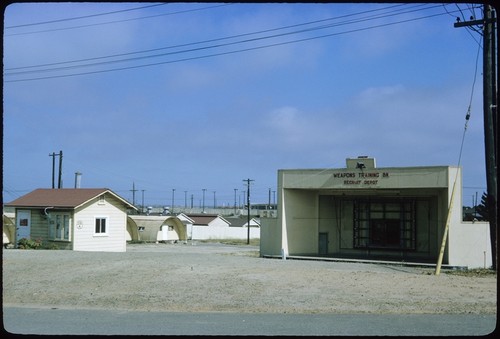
(51, 246)
(28, 244)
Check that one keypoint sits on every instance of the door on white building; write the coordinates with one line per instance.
(23, 224)
(323, 243)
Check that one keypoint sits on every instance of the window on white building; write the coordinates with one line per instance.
(100, 225)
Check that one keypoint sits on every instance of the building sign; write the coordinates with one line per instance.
(361, 178)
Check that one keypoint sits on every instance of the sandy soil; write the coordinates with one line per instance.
(225, 278)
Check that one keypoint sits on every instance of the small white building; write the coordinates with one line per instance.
(80, 219)
(214, 226)
(365, 212)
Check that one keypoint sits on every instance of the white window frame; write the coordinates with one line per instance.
(105, 233)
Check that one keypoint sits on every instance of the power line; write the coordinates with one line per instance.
(216, 54)
(111, 22)
(470, 28)
(468, 114)
(202, 42)
(189, 44)
(83, 16)
(225, 38)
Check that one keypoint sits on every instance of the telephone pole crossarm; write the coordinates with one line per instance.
(473, 22)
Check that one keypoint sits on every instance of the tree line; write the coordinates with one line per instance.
(478, 212)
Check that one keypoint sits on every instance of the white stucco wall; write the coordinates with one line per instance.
(469, 245)
(222, 232)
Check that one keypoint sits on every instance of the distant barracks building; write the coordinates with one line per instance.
(365, 212)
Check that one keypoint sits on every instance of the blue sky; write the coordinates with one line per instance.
(193, 96)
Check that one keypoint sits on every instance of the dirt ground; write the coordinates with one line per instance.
(211, 277)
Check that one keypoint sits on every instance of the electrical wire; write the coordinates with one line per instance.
(83, 17)
(196, 49)
(211, 40)
(468, 114)
(450, 207)
(218, 54)
(469, 29)
(112, 22)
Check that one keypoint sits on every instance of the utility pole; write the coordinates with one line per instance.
(203, 210)
(235, 190)
(475, 206)
(215, 204)
(173, 194)
(185, 199)
(142, 206)
(133, 193)
(490, 115)
(53, 155)
(248, 209)
(59, 182)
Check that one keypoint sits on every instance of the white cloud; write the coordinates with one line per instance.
(376, 94)
(288, 127)
(190, 77)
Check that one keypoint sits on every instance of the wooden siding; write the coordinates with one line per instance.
(40, 228)
(39, 225)
(84, 237)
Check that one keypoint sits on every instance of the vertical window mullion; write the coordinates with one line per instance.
(100, 225)
(66, 227)
(58, 227)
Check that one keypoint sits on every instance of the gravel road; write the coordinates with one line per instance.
(213, 277)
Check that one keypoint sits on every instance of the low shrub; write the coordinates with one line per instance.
(51, 246)
(28, 244)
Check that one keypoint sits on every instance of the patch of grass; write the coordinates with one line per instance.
(136, 242)
(477, 272)
(50, 246)
(253, 242)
